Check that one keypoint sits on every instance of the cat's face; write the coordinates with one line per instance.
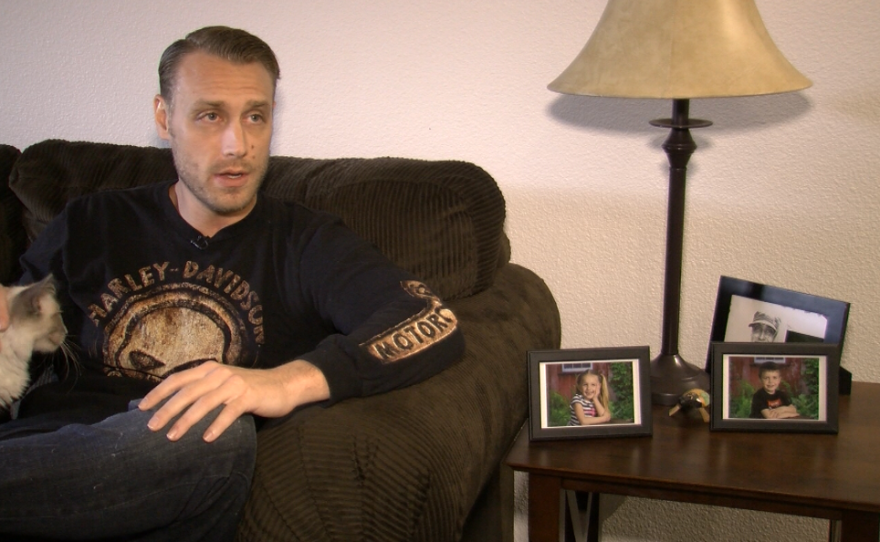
(34, 312)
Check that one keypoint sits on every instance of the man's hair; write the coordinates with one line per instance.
(230, 44)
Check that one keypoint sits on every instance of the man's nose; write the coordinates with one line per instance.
(234, 140)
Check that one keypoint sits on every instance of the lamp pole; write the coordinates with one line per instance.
(671, 375)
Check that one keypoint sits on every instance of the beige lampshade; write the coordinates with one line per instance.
(679, 49)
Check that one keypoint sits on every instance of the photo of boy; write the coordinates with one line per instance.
(774, 388)
(770, 402)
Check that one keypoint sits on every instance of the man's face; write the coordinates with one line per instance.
(219, 125)
(762, 333)
(770, 379)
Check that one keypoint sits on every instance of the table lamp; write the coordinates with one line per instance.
(678, 50)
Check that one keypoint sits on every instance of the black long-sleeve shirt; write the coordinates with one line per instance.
(144, 295)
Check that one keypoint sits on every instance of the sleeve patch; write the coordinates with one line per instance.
(429, 326)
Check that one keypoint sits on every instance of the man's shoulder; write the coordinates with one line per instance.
(276, 209)
(120, 196)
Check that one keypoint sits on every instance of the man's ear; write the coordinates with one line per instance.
(160, 111)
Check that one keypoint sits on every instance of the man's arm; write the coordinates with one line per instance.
(391, 332)
(195, 392)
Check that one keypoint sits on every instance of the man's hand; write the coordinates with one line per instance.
(269, 393)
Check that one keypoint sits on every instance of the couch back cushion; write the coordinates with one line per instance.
(441, 220)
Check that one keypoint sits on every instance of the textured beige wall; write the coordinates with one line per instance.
(783, 189)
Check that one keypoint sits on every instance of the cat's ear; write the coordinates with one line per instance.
(47, 285)
(27, 302)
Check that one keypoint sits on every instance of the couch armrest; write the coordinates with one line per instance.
(408, 465)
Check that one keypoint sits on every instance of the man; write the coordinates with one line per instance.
(212, 302)
(764, 328)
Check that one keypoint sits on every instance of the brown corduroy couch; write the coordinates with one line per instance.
(421, 463)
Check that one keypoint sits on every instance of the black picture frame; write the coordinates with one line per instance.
(807, 373)
(800, 317)
(553, 378)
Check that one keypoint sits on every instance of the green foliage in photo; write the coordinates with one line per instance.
(623, 402)
(560, 411)
(740, 404)
(807, 404)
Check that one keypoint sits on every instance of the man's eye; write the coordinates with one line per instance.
(256, 118)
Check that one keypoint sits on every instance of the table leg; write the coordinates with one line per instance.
(857, 527)
(546, 508)
(834, 530)
(583, 511)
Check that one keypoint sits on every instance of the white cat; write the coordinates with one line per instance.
(35, 325)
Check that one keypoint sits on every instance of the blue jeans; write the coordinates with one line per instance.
(117, 480)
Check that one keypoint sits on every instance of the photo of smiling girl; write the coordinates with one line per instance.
(589, 405)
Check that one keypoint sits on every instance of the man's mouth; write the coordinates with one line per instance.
(231, 170)
(232, 174)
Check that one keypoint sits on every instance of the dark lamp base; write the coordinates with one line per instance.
(671, 376)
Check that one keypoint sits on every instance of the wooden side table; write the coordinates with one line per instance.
(836, 477)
